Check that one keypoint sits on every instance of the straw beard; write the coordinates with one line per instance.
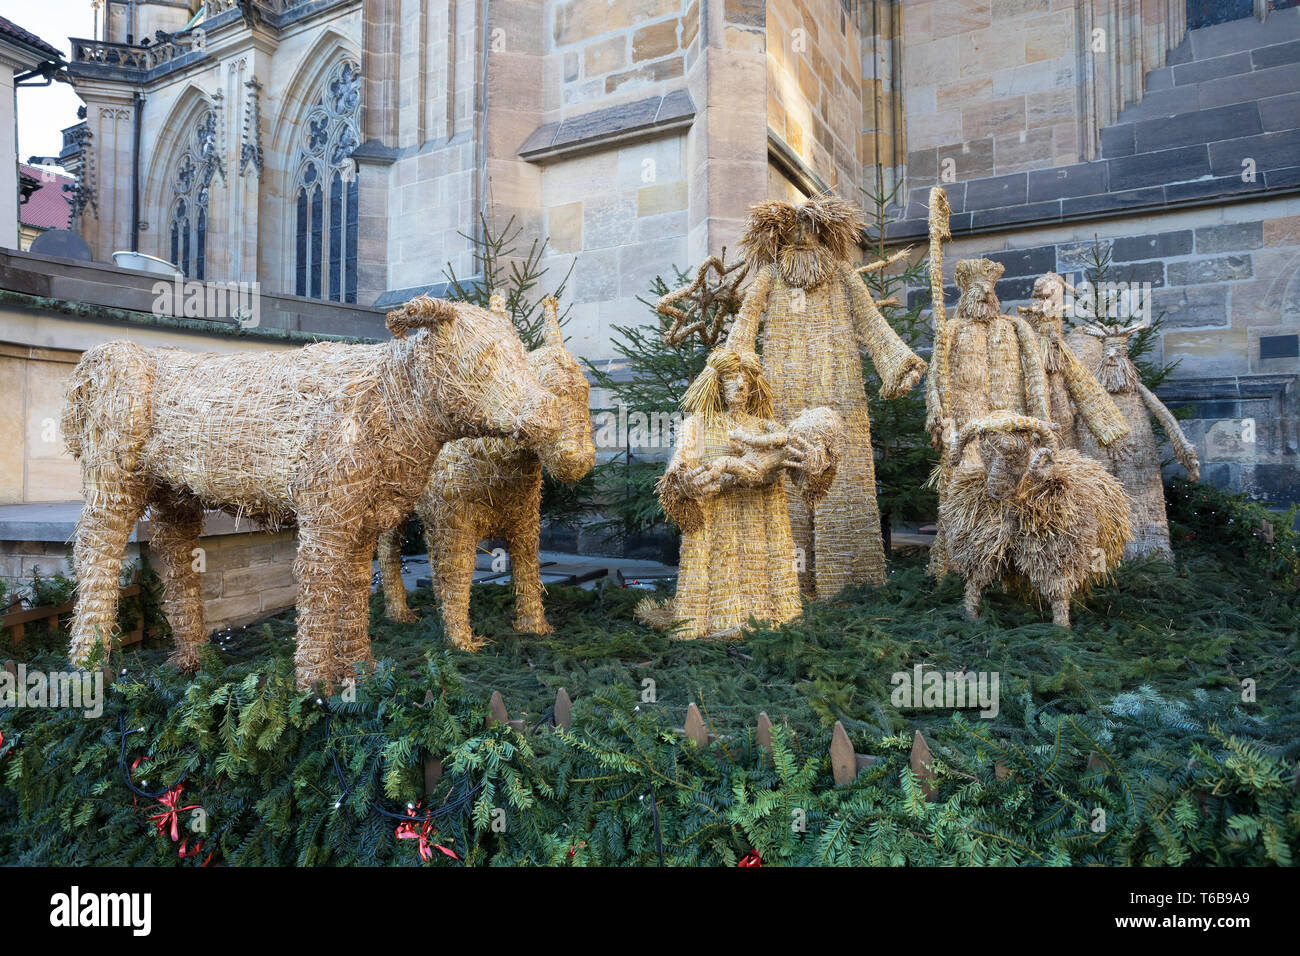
(1049, 343)
(980, 308)
(805, 266)
(1117, 373)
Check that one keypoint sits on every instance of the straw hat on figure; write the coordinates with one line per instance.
(725, 488)
(817, 314)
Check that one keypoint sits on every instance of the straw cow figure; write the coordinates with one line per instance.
(339, 439)
(817, 317)
(489, 487)
(1107, 348)
(1026, 509)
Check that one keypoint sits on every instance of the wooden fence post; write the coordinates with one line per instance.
(764, 733)
(499, 715)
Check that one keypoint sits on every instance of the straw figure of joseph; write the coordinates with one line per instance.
(1106, 349)
(337, 439)
(489, 487)
(1076, 400)
(984, 362)
(816, 315)
(725, 488)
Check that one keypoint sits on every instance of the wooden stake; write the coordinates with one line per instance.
(923, 765)
(432, 774)
(844, 761)
(695, 728)
(563, 709)
(11, 667)
(499, 715)
(764, 733)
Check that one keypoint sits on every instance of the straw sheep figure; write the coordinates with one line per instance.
(1024, 508)
(983, 362)
(1139, 473)
(339, 439)
(817, 315)
(489, 487)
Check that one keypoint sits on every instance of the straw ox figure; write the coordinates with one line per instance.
(1026, 509)
(1139, 472)
(339, 439)
(485, 487)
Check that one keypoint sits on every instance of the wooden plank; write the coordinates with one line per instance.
(497, 713)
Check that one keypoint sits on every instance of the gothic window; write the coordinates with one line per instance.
(191, 187)
(325, 191)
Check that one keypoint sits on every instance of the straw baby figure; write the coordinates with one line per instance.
(335, 439)
(725, 489)
(1107, 348)
(492, 487)
(817, 316)
(1076, 400)
(983, 362)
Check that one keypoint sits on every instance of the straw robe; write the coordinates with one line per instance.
(737, 555)
(984, 362)
(811, 341)
(1139, 472)
(1076, 400)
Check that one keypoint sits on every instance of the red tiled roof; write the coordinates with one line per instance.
(48, 207)
(15, 32)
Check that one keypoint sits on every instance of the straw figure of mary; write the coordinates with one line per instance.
(725, 488)
(817, 315)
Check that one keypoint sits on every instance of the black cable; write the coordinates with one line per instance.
(126, 774)
(659, 837)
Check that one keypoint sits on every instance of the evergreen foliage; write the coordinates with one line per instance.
(1137, 711)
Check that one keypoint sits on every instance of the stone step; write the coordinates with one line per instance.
(1245, 34)
(1233, 64)
(1219, 91)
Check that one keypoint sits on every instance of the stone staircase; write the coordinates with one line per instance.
(1228, 92)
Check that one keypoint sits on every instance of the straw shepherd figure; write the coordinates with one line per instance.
(1107, 349)
(725, 488)
(492, 487)
(1076, 400)
(816, 315)
(1025, 509)
(983, 362)
(339, 439)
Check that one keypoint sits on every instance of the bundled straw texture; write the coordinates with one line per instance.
(492, 487)
(816, 315)
(1022, 509)
(1076, 400)
(984, 362)
(725, 488)
(338, 439)
(1106, 350)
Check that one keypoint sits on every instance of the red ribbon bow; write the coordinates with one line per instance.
(171, 816)
(407, 831)
(183, 852)
(752, 858)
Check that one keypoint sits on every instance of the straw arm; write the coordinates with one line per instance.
(744, 331)
(1031, 363)
(900, 368)
(936, 386)
(1093, 403)
(1184, 450)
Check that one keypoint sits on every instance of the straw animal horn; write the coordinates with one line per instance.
(1096, 330)
(497, 303)
(422, 312)
(551, 323)
(1004, 423)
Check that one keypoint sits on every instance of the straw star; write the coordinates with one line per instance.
(708, 303)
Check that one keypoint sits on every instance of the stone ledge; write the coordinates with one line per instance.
(57, 522)
(575, 135)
